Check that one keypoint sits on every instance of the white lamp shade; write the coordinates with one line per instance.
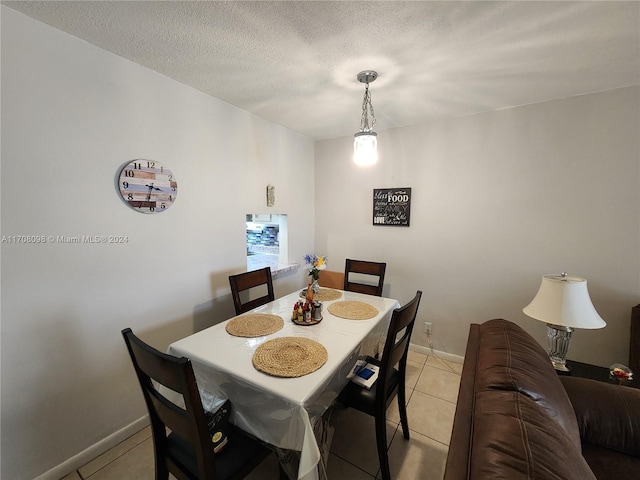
(564, 301)
(365, 148)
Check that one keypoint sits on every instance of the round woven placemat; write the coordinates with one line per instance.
(289, 357)
(324, 295)
(254, 325)
(353, 310)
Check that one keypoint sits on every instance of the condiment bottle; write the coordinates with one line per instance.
(309, 294)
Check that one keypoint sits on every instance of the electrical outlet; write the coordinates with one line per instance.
(427, 328)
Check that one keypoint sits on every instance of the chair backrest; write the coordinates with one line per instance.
(375, 269)
(246, 281)
(331, 279)
(188, 423)
(396, 348)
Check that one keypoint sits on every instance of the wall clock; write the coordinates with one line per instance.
(147, 186)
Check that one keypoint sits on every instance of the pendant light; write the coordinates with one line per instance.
(365, 142)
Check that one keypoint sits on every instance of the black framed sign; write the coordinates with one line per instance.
(392, 206)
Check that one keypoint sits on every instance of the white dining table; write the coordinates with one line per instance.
(284, 411)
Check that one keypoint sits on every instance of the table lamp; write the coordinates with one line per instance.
(563, 303)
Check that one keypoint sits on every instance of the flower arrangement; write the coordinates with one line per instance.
(315, 263)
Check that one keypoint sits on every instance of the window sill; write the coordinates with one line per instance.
(255, 262)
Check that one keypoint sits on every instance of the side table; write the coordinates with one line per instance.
(594, 372)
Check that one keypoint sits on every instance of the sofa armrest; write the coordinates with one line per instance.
(458, 458)
(608, 415)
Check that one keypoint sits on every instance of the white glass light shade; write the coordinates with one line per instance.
(365, 148)
(564, 301)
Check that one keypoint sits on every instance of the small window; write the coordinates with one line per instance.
(266, 241)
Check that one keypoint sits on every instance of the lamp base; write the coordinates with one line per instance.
(561, 367)
(559, 338)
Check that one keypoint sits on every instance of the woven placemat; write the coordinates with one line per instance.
(324, 295)
(353, 310)
(289, 357)
(254, 325)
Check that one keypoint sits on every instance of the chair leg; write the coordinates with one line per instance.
(162, 473)
(402, 409)
(381, 441)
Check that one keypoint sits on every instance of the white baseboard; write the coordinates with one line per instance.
(95, 450)
(443, 355)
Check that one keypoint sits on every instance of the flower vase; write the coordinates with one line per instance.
(315, 288)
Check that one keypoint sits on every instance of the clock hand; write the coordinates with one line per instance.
(151, 187)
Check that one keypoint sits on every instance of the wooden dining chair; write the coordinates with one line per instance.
(390, 382)
(372, 269)
(245, 281)
(187, 452)
(329, 279)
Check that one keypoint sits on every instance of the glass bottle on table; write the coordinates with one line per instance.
(309, 296)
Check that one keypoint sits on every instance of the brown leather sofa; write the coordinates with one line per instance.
(517, 419)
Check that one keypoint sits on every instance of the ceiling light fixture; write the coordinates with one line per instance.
(365, 142)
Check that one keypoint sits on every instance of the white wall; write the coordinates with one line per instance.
(499, 199)
(72, 114)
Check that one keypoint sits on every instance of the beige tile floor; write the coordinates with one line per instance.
(432, 390)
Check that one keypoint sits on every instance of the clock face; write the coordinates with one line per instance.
(147, 186)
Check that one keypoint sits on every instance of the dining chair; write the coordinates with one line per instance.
(372, 269)
(329, 279)
(390, 382)
(246, 281)
(187, 452)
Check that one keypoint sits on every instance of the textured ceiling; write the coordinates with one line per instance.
(295, 63)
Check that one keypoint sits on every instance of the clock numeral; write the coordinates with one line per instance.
(152, 208)
(151, 164)
(125, 184)
(137, 166)
(170, 177)
(130, 196)
(171, 196)
(128, 173)
(162, 205)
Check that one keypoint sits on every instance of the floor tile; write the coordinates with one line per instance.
(442, 364)
(439, 383)
(73, 476)
(429, 416)
(416, 357)
(354, 439)
(413, 373)
(418, 458)
(115, 452)
(136, 464)
(339, 469)
(457, 367)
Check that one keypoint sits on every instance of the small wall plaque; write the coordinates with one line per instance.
(392, 206)
(271, 195)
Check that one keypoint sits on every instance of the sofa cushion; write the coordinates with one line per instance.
(607, 464)
(510, 359)
(613, 420)
(513, 439)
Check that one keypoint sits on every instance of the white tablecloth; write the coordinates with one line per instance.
(282, 411)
